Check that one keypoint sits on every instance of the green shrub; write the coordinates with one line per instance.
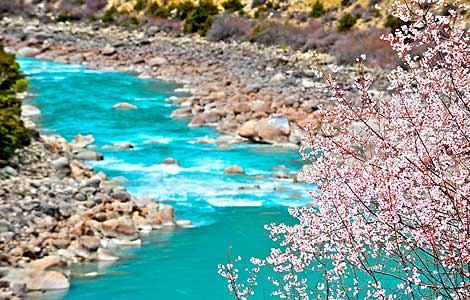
(346, 22)
(394, 23)
(108, 15)
(200, 19)
(346, 2)
(140, 5)
(318, 10)
(13, 133)
(155, 10)
(21, 85)
(232, 5)
(183, 9)
(65, 17)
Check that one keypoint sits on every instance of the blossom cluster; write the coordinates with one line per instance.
(391, 217)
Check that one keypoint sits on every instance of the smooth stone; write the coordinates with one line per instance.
(234, 169)
(45, 281)
(124, 105)
(28, 52)
(89, 155)
(184, 223)
(170, 161)
(28, 110)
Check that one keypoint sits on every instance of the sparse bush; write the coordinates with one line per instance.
(319, 38)
(155, 10)
(346, 22)
(352, 45)
(13, 133)
(232, 5)
(140, 5)
(170, 26)
(183, 9)
(200, 19)
(229, 27)
(270, 33)
(108, 15)
(65, 17)
(318, 9)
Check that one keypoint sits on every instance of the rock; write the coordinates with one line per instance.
(124, 105)
(89, 155)
(234, 169)
(183, 112)
(122, 196)
(29, 110)
(28, 52)
(48, 263)
(4, 226)
(108, 50)
(90, 243)
(271, 129)
(121, 228)
(66, 209)
(170, 161)
(61, 163)
(248, 129)
(82, 141)
(157, 61)
(123, 145)
(278, 78)
(184, 223)
(106, 255)
(46, 281)
(9, 171)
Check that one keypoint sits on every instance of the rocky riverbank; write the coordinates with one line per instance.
(55, 211)
(262, 94)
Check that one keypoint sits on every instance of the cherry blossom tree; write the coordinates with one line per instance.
(391, 216)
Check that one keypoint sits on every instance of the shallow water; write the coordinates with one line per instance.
(177, 263)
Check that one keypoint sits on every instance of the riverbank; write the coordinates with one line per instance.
(55, 211)
(261, 94)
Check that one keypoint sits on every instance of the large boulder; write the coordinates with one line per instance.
(272, 129)
(28, 52)
(47, 281)
(48, 263)
(269, 129)
(122, 228)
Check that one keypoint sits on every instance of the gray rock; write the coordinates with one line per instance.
(4, 226)
(121, 196)
(157, 61)
(9, 171)
(28, 52)
(61, 163)
(88, 155)
(82, 141)
(108, 50)
(93, 182)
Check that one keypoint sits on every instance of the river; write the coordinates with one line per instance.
(226, 210)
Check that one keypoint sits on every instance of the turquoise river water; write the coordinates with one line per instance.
(172, 263)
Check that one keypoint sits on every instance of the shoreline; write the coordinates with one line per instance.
(55, 212)
(247, 92)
